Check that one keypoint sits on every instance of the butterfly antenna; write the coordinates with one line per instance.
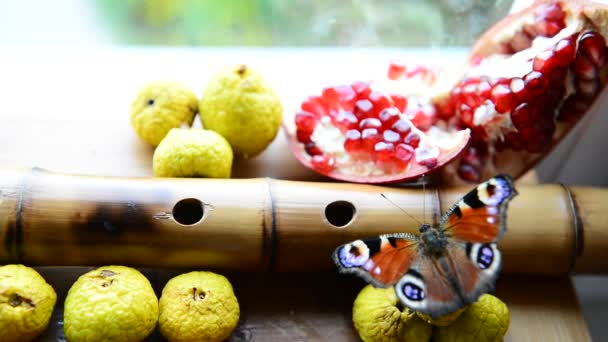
(398, 207)
(424, 198)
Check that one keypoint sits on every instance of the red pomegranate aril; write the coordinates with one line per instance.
(388, 117)
(484, 90)
(404, 152)
(363, 108)
(518, 89)
(396, 70)
(520, 41)
(548, 28)
(535, 83)
(592, 44)
(412, 139)
(402, 126)
(557, 76)
(471, 156)
(583, 67)
(312, 149)
(391, 136)
(503, 98)
(303, 136)
(424, 118)
(370, 123)
(564, 52)
(370, 137)
(544, 62)
(314, 104)
(573, 108)
(323, 164)
(340, 97)
(354, 143)
(346, 120)
(362, 89)
(466, 114)
(306, 122)
(553, 12)
(429, 163)
(379, 101)
(399, 101)
(522, 116)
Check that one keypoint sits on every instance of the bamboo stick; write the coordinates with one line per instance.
(267, 224)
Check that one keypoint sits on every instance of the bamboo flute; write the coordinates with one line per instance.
(260, 224)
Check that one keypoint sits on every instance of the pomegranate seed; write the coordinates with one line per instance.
(314, 104)
(544, 62)
(522, 116)
(379, 101)
(370, 123)
(363, 108)
(535, 83)
(564, 52)
(548, 28)
(396, 70)
(303, 136)
(353, 142)
(340, 97)
(370, 137)
(391, 136)
(399, 101)
(323, 164)
(412, 139)
(429, 163)
(583, 67)
(306, 122)
(389, 116)
(424, 118)
(484, 90)
(518, 89)
(346, 120)
(384, 153)
(404, 152)
(469, 94)
(469, 173)
(503, 98)
(312, 149)
(362, 89)
(593, 46)
(552, 12)
(574, 107)
(558, 75)
(470, 156)
(466, 115)
(402, 126)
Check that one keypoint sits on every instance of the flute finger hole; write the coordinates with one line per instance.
(188, 211)
(340, 213)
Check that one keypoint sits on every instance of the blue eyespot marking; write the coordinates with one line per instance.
(413, 292)
(485, 256)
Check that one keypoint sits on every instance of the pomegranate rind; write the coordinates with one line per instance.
(412, 172)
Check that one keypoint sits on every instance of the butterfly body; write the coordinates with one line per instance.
(444, 267)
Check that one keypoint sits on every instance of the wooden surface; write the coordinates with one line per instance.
(68, 112)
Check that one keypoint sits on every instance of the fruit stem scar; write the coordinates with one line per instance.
(107, 273)
(16, 300)
(241, 70)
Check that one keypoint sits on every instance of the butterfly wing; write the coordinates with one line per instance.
(440, 285)
(480, 216)
(381, 260)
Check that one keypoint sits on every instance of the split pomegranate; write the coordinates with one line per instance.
(528, 80)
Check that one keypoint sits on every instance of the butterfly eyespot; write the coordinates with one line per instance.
(354, 254)
(413, 292)
(485, 256)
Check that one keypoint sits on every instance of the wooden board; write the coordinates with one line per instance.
(68, 112)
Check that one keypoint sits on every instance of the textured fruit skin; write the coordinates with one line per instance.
(198, 306)
(160, 106)
(243, 108)
(32, 298)
(486, 320)
(111, 303)
(193, 153)
(377, 318)
(444, 320)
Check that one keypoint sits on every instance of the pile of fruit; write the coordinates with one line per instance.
(117, 303)
(239, 111)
